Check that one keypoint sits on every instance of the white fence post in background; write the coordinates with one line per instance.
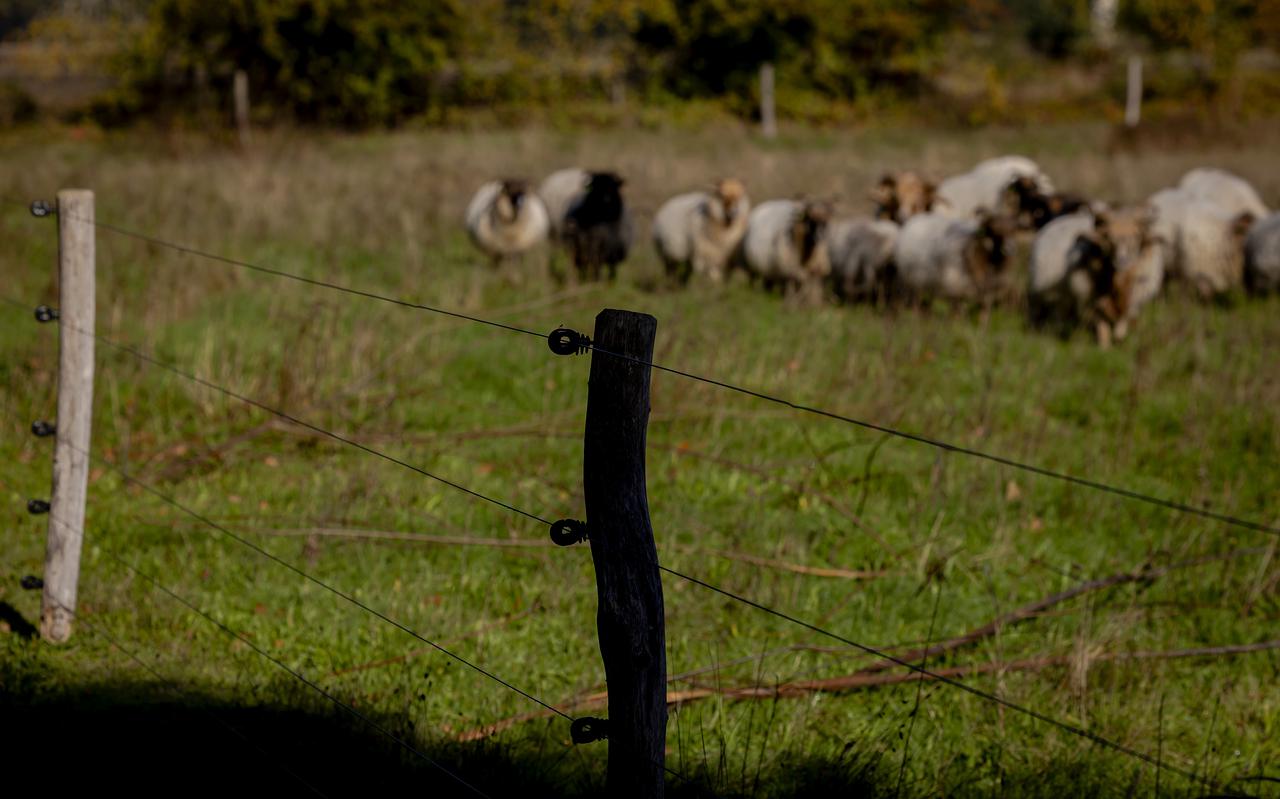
(240, 90)
(768, 120)
(1103, 15)
(75, 411)
(1133, 102)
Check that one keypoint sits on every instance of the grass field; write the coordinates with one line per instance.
(745, 494)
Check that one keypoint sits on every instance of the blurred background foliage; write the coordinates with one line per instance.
(363, 63)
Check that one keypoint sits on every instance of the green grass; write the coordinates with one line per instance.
(1188, 409)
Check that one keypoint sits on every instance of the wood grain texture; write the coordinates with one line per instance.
(75, 411)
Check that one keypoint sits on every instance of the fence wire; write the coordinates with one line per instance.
(942, 445)
(156, 583)
(1120, 491)
(101, 632)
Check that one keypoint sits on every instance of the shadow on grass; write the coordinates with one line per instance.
(138, 739)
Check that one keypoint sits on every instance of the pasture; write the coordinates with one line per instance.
(885, 541)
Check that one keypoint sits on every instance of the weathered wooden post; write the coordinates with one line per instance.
(75, 410)
(240, 91)
(768, 118)
(628, 584)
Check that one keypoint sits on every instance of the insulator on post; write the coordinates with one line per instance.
(37, 506)
(568, 532)
(588, 729)
(46, 314)
(42, 429)
(565, 341)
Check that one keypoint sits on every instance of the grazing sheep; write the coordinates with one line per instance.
(901, 195)
(698, 231)
(597, 228)
(505, 219)
(861, 254)
(559, 191)
(785, 244)
(1262, 256)
(1094, 269)
(1204, 243)
(1233, 195)
(956, 259)
(983, 187)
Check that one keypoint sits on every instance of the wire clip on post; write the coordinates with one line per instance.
(588, 730)
(37, 506)
(46, 314)
(42, 429)
(42, 208)
(568, 532)
(564, 341)
(31, 582)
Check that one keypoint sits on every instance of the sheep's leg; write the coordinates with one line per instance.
(1103, 332)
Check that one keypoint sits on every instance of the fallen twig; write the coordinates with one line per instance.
(861, 680)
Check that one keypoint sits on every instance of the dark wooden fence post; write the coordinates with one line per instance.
(628, 584)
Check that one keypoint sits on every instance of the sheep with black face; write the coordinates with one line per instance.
(985, 187)
(505, 219)
(1095, 270)
(597, 227)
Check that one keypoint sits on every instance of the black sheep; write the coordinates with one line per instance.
(598, 227)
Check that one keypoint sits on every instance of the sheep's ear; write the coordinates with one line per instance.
(888, 180)
(930, 194)
(1102, 223)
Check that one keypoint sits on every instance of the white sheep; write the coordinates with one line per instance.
(861, 255)
(1231, 193)
(698, 231)
(1204, 242)
(984, 186)
(1262, 256)
(559, 191)
(785, 244)
(1094, 269)
(955, 259)
(506, 219)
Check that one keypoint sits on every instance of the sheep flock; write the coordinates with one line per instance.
(1091, 266)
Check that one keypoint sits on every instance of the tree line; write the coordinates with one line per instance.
(380, 62)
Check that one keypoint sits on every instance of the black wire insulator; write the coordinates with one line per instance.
(31, 582)
(568, 532)
(37, 506)
(42, 208)
(566, 341)
(46, 314)
(588, 729)
(42, 429)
